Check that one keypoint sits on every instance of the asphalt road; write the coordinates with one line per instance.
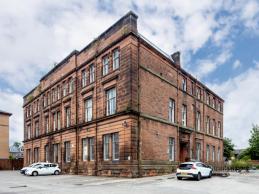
(11, 182)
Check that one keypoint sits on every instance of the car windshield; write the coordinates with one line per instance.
(185, 166)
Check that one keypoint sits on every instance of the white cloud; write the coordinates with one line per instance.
(35, 34)
(12, 102)
(237, 64)
(241, 105)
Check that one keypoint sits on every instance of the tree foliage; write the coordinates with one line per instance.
(228, 148)
(254, 142)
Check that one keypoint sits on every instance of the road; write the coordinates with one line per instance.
(11, 182)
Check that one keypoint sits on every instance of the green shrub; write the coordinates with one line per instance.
(240, 164)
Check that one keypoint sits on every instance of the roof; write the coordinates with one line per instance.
(5, 113)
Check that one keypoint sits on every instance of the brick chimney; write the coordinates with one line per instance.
(176, 58)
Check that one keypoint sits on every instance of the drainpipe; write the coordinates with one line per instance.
(77, 129)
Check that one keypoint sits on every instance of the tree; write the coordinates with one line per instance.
(254, 142)
(228, 148)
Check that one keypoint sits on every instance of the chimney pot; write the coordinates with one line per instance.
(176, 58)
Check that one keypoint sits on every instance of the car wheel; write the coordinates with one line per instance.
(198, 176)
(56, 172)
(34, 173)
(210, 174)
(179, 178)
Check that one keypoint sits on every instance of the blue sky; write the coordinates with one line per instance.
(218, 40)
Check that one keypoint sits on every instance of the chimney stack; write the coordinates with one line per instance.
(176, 58)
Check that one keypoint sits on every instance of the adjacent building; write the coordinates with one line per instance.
(4, 137)
(122, 107)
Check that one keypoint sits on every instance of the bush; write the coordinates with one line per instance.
(240, 164)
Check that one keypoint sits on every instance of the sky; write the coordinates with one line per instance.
(218, 41)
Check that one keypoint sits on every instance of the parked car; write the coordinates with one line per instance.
(22, 171)
(196, 170)
(45, 169)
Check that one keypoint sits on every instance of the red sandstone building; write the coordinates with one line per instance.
(121, 107)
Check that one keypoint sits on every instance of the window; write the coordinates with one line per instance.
(65, 88)
(47, 124)
(116, 59)
(198, 93)
(213, 102)
(106, 139)
(84, 149)
(68, 117)
(171, 149)
(184, 84)
(58, 92)
(55, 153)
(58, 121)
(91, 73)
(28, 156)
(67, 151)
(171, 110)
(198, 151)
(44, 101)
(54, 121)
(207, 153)
(36, 129)
(49, 98)
(207, 124)
(53, 95)
(184, 115)
(198, 121)
(71, 86)
(46, 153)
(115, 146)
(213, 127)
(36, 155)
(35, 107)
(91, 151)
(105, 65)
(218, 154)
(213, 153)
(83, 78)
(88, 109)
(208, 98)
(219, 129)
(29, 131)
(111, 101)
(192, 89)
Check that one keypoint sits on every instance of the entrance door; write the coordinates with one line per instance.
(184, 152)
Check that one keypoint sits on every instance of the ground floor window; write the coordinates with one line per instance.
(218, 153)
(84, 149)
(198, 151)
(213, 153)
(28, 156)
(106, 145)
(171, 149)
(67, 151)
(36, 154)
(91, 151)
(46, 150)
(56, 153)
(207, 153)
(113, 151)
(115, 146)
(88, 149)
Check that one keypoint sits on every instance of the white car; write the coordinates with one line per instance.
(195, 170)
(45, 169)
(22, 171)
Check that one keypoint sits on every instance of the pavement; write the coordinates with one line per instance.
(12, 182)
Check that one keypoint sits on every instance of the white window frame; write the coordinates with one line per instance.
(85, 149)
(198, 121)
(92, 73)
(171, 110)
(198, 151)
(184, 84)
(171, 149)
(91, 148)
(184, 115)
(116, 59)
(58, 120)
(115, 146)
(105, 62)
(68, 116)
(213, 153)
(84, 78)
(106, 147)
(111, 101)
(207, 153)
(67, 150)
(88, 109)
(207, 124)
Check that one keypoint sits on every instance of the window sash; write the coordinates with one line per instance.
(198, 121)
(171, 149)
(116, 59)
(91, 73)
(171, 111)
(88, 109)
(207, 152)
(105, 65)
(115, 146)
(68, 117)
(58, 121)
(46, 153)
(106, 144)
(184, 115)
(56, 153)
(91, 151)
(111, 102)
(85, 149)
(198, 151)
(67, 152)
(83, 78)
